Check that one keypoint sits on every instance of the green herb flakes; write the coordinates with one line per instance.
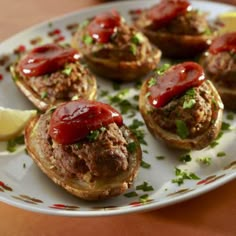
(182, 175)
(133, 49)
(205, 160)
(137, 38)
(221, 154)
(145, 187)
(87, 39)
(143, 198)
(230, 116)
(181, 129)
(152, 82)
(185, 158)
(13, 143)
(44, 94)
(93, 135)
(131, 147)
(225, 126)
(160, 157)
(188, 104)
(162, 69)
(145, 165)
(67, 71)
(131, 194)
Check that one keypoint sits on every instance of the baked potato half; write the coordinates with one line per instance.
(91, 169)
(190, 120)
(124, 54)
(65, 79)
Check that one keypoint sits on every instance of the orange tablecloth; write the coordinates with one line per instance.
(212, 214)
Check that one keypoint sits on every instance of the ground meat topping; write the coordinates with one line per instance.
(221, 68)
(123, 46)
(63, 84)
(191, 23)
(197, 117)
(104, 157)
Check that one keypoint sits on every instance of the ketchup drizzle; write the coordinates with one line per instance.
(174, 82)
(73, 121)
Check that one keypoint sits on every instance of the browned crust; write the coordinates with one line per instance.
(124, 71)
(174, 140)
(101, 188)
(179, 46)
(41, 104)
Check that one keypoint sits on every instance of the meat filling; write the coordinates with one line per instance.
(125, 45)
(104, 157)
(221, 68)
(72, 80)
(191, 23)
(194, 108)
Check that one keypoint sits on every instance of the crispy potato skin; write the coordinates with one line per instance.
(102, 188)
(44, 104)
(173, 139)
(119, 70)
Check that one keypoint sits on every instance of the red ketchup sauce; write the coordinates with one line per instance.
(162, 13)
(174, 82)
(73, 121)
(47, 59)
(226, 42)
(103, 26)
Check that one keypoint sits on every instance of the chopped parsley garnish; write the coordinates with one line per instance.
(144, 187)
(189, 100)
(44, 94)
(205, 160)
(186, 158)
(139, 133)
(160, 157)
(133, 49)
(131, 147)
(131, 194)
(225, 126)
(87, 39)
(152, 82)
(221, 154)
(181, 129)
(230, 116)
(137, 38)
(188, 104)
(145, 164)
(12, 144)
(162, 69)
(208, 31)
(93, 135)
(67, 71)
(103, 93)
(84, 23)
(116, 86)
(182, 175)
(143, 198)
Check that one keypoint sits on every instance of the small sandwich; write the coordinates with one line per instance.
(181, 107)
(84, 147)
(115, 50)
(50, 74)
(176, 28)
(219, 63)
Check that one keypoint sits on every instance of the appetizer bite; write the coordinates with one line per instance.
(115, 50)
(84, 147)
(181, 107)
(51, 74)
(177, 29)
(219, 63)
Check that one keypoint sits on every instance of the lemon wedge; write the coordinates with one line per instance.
(12, 122)
(228, 20)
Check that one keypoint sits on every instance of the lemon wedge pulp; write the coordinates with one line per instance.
(12, 122)
(228, 19)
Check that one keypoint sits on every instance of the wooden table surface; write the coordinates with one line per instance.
(211, 214)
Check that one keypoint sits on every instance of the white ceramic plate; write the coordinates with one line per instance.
(23, 185)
